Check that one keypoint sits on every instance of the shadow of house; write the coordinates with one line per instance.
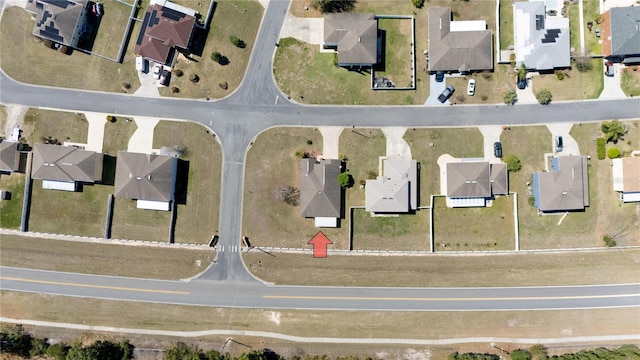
(66, 168)
(354, 37)
(565, 187)
(396, 191)
(472, 183)
(621, 34)
(321, 196)
(60, 21)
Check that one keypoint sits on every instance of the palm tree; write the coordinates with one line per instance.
(521, 72)
(613, 130)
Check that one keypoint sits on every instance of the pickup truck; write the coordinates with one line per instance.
(446, 94)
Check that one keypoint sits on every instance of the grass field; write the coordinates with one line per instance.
(103, 259)
(27, 60)
(574, 28)
(393, 233)
(64, 126)
(474, 229)
(630, 81)
(11, 210)
(117, 135)
(112, 28)
(398, 51)
(198, 218)
(576, 85)
(132, 223)
(240, 18)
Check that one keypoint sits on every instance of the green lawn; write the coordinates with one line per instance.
(11, 210)
(630, 81)
(506, 24)
(398, 52)
(402, 232)
(132, 223)
(117, 135)
(576, 85)
(591, 10)
(65, 126)
(574, 28)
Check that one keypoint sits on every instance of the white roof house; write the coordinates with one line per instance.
(396, 191)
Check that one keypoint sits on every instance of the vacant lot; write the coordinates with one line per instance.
(605, 266)
(474, 229)
(428, 144)
(21, 54)
(40, 124)
(102, 259)
(630, 81)
(398, 51)
(240, 18)
(576, 85)
(393, 233)
(117, 135)
(198, 213)
(271, 164)
(11, 210)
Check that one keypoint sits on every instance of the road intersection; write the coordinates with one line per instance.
(258, 105)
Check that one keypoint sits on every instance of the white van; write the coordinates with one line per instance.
(141, 64)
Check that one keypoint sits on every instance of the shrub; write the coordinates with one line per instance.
(111, 118)
(544, 96)
(178, 72)
(418, 3)
(613, 153)
(600, 143)
(216, 56)
(125, 85)
(309, 142)
(510, 97)
(194, 78)
(288, 194)
(237, 42)
(223, 85)
(175, 89)
(608, 240)
(345, 180)
(560, 76)
(513, 163)
(484, 97)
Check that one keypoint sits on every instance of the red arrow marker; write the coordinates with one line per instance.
(320, 243)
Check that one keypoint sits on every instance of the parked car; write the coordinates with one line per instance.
(552, 12)
(497, 149)
(141, 64)
(439, 76)
(608, 69)
(157, 70)
(522, 83)
(559, 145)
(597, 32)
(164, 78)
(99, 9)
(471, 87)
(446, 94)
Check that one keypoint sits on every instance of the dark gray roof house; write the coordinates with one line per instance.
(458, 45)
(9, 156)
(354, 35)
(565, 187)
(541, 43)
(150, 179)
(60, 167)
(621, 34)
(60, 21)
(470, 183)
(320, 192)
(396, 191)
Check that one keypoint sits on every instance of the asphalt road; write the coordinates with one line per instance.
(258, 104)
(257, 295)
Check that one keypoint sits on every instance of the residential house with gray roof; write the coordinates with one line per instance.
(64, 167)
(396, 191)
(565, 187)
(541, 42)
(354, 36)
(320, 192)
(147, 178)
(9, 156)
(470, 183)
(60, 21)
(621, 34)
(462, 46)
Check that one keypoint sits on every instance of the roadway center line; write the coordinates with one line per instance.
(93, 286)
(364, 298)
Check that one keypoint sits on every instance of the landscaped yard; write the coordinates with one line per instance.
(398, 51)
(630, 80)
(117, 134)
(393, 233)
(39, 124)
(197, 218)
(576, 85)
(27, 60)
(240, 18)
(474, 229)
(459, 142)
(11, 210)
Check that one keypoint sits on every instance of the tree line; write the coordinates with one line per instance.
(17, 341)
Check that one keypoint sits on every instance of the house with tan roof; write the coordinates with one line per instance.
(461, 46)
(565, 187)
(621, 34)
(470, 183)
(147, 178)
(354, 36)
(396, 191)
(165, 28)
(320, 192)
(60, 21)
(65, 167)
(626, 178)
(9, 156)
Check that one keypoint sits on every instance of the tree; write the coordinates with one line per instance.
(513, 163)
(521, 72)
(345, 180)
(538, 352)
(613, 130)
(194, 78)
(510, 97)
(544, 96)
(613, 153)
(418, 3)
(327, 6)
(288, 194)
(520, 354)
(15, 340)
(237, 42)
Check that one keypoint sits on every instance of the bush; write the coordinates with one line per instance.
(608, 240)
(237, 42)
(309, 142)
(560, 76)
(288, 194)
(111, 118)
(418, 3)
(600, 143)
(223, 85)
(178, 72)
(194, 78)
(613, 153)
(510, 97)
(219, 58)
(544, 96)
(175, 89)
(345, 180)
(513, 163)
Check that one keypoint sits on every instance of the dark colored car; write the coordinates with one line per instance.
(609, 69)
(522, 83)
(497, 149)
(164, 78)
(559, 145)
(439, 76)
(446, 94)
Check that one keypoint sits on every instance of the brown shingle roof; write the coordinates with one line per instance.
(64, 163)
(355, 35)
(631, 174)
(320, 192)
(163, 29)
(145, 176)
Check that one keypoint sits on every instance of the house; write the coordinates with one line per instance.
(354, 36)
(147, 178)
(320, 192)
(166, 26)
(60, 21)
(65, 167)
(396, 191)
(621, 34)
(462, 46)
(626, 178)
(470, 183)
(9, 156)
(565, 187)
(541, 42)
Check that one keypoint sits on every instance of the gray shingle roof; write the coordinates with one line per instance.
(145, 176)
(625, 31)
(396, 191)
(566, 187)
(499, 179)
(9, 156)
(320, 192)
(58, 20)
(468, 179)
(457, 50)
(64, 163)
(355, 35)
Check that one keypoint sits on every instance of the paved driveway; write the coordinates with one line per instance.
(570, 145)
(491, 135)
(310, 30)
(435, 89)
(612, 89)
